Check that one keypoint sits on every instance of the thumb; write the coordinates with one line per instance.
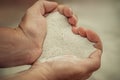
(94, 60)
(36, 12)
(33, 20)
(96, 54)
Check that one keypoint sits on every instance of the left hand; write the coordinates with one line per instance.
(23, 45)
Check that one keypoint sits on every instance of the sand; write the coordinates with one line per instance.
(59, 41)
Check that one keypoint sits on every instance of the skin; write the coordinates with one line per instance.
(70, 67)
(63, 68)
(23, 45)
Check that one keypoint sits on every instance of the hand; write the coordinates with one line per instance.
(23, 45)
(65, 67)
(71, 67)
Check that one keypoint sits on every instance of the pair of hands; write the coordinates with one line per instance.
(25, 46)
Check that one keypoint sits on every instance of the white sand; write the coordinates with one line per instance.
(59, 41)
(102, 16)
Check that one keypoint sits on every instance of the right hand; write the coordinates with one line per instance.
(71, 67)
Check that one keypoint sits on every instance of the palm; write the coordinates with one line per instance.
(26, 41)
(71, 67)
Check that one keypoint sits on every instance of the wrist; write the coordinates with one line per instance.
(26, 75)
(42, 71)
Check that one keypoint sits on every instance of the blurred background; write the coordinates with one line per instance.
(102, 16)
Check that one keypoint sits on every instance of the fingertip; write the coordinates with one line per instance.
(68, 11)
(65, 10)
(49, 6)
(50, 2)
(75, 31)
(99, 46)
(93, 37)
(95, 60)
(72, 20)
(79, 31)
(99, 52)
(55, 3)
(82, 31)
(96, 55)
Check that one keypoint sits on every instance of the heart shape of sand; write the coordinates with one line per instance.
(60, 39)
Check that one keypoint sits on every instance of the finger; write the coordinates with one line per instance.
(82, 32)
(93, 61)
(79, 31)
(42, 7)
(35, 17)
(73, 20)
(90, 35)
(64, 10)
(75, 30)
(96, 55)
(93, 37)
